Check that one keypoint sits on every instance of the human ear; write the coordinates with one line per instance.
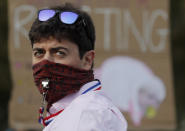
(88, 59)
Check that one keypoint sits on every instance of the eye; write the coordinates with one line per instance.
(60, 53)
(38, 53)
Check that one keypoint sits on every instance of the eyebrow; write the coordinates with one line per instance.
(59, 48)
(52, 49)
(36, 49)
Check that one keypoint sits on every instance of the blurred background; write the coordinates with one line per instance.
(177, 56)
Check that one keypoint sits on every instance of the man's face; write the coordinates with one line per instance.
(64, 52)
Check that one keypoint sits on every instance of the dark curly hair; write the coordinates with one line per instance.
(80, 33)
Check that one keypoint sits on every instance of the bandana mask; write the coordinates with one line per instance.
(63, 79)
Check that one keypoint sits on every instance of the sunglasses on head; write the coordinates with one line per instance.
(66, 17)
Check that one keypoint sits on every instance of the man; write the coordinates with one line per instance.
(63, 40)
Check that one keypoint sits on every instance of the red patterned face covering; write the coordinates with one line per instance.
(63, 79)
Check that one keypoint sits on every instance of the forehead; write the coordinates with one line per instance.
(51, 43)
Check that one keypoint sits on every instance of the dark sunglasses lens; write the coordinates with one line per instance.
(44, 15)
(68, 17)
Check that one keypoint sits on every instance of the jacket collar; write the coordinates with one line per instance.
(64, 102)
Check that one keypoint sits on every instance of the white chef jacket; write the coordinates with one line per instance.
(91, 111)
